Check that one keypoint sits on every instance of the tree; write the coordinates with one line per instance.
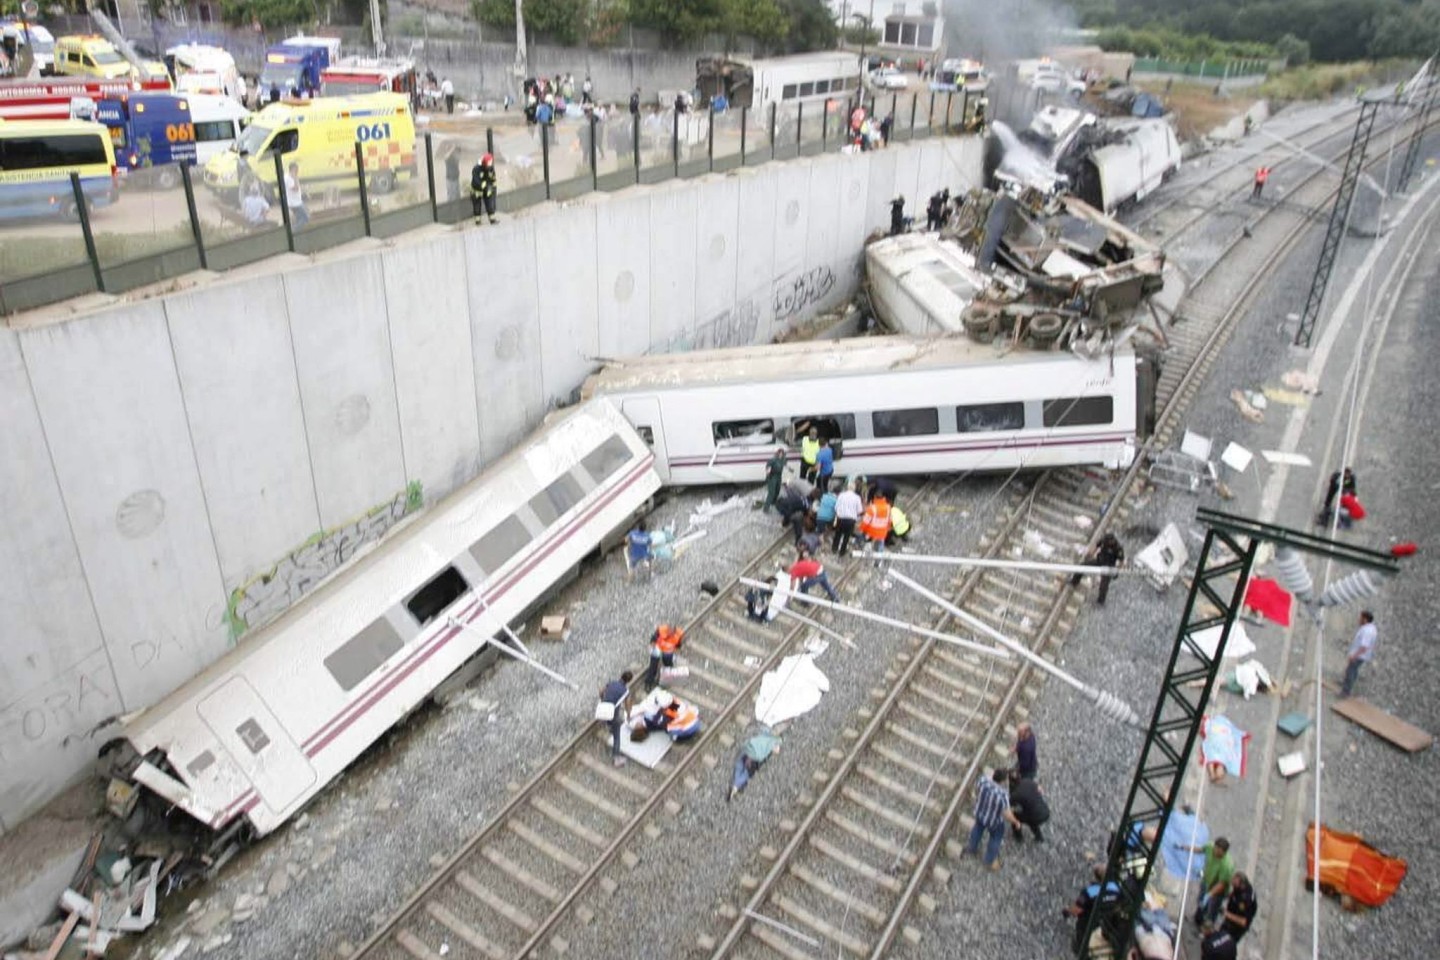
(268, 13)
(1295, 51)
(811, 26)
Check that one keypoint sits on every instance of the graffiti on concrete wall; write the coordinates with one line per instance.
(265, 596)
(798, 290)
(735, 327)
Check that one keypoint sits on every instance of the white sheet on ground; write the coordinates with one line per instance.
(1239, 645)
(649, 751)
(794, 687)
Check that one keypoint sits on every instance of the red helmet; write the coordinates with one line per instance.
(487, 159)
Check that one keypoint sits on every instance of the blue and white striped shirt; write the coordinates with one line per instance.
(991, 804)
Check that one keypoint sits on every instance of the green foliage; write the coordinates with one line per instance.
(1334, 30)
(566, 22)
(494, 13)
(857, 35)
(810, 26)
(1171, 44)
(269, 13)
(1295, 51)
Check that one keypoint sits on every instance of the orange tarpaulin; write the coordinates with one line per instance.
(1350, 865)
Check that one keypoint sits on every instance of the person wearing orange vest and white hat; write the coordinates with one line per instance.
(682, 720)
(875, 524)
(663, 644)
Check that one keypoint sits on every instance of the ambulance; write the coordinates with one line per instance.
(320, 135)
(89, 56)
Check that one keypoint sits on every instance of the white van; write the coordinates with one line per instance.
(218, 120)
(199, 68)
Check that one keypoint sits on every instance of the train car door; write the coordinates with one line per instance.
(644, 415)
(258, 744)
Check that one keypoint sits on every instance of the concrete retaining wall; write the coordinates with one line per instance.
(179, 470)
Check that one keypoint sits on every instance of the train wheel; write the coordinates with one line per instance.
(1045, 328)
(167, 178)
(383, 181)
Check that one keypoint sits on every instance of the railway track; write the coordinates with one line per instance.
(894, 803)
(523, 874)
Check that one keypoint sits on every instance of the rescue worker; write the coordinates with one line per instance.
(899, 526)
(774, 476)
(482, 188)
(663, 644)
(617, 693)
(809, 454)
(875, 524)
(1261, 175)
(637, 549)
(897, 216)
(682, 720)
(1107, 553)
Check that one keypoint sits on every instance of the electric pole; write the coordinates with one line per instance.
(520, 65)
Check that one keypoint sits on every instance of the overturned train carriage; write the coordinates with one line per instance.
(266, 727)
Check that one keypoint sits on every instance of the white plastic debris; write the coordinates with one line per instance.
(1163, 558)
(791, 689)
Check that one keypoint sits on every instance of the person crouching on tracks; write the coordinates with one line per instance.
(899, 527)
(1107, 553)
(482, 188)
(806, 573)
(663, 644)
(682, 720)
(875, 524)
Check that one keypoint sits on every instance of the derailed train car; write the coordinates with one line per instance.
(266, 727)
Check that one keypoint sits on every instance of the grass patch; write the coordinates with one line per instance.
(1198, 110)
(1322, 81)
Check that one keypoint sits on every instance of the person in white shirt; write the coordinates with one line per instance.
(447, 90)
(294, 198)
(1362, 649)
(255, 207)
(848, 507)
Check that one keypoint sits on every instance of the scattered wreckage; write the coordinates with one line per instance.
(1044, 272)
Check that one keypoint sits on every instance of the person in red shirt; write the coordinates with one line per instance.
(806, 572)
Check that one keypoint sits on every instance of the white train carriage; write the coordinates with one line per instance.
(898, 405)
(1132, 168)
(267, 726)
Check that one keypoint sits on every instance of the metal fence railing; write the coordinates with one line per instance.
(1203, 69)
(165, 221)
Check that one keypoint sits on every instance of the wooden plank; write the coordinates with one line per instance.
(1387, 726)
(68, 928)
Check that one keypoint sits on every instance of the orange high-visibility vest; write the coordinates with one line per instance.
(1262, 174)
(680, 716)
(668, 638)
(876, 522)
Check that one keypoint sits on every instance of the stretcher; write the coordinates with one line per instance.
(1349, 865)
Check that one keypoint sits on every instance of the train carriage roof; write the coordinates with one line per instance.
(810, 360)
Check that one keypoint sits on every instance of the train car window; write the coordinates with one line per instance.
(832, 426)
(499, 545)
(200, 764)
(822, 86)
(552, 502)
(906, 423)
(985, 417)
(743, 432)
(646, 434)
(807, 89)
(788, 93)
(606, 459)
(252, 736)
(431, 600)
(1079, 411)
(363, 654)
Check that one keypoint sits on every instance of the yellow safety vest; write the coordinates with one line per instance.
(899, 522)
(809, 450)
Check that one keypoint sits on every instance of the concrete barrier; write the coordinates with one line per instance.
(181, 469)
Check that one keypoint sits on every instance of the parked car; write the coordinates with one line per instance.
(889, 78)
(1052, 78)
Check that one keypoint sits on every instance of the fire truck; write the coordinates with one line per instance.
(60, 98)
(356, 76)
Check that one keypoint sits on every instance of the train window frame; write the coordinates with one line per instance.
(442, 589)
(504, 537)
(721, 437)
(787, 92)
(608, 458)
(252, 735)
(1078, 411)
(843, 422)
(1015, 407)
(558, 498)
(929, 428)
(822, 86)
(201, 762)
(355, 660)
(807, 89)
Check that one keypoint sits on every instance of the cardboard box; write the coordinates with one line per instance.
(555, 627)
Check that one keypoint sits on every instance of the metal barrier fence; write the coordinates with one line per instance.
(169, 220)
(1204, 69)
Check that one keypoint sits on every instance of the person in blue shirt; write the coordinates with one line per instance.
(825, 510)
(1085, 903)
(637, 548)
(618, 693)
(825, 465)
